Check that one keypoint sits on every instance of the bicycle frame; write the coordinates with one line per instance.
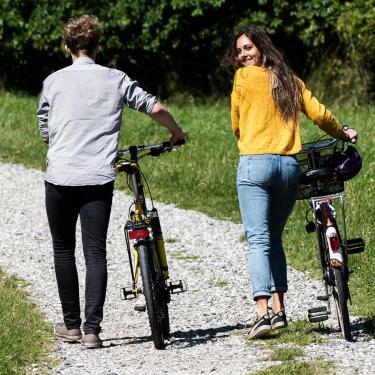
(143, 225)
(325, 220)
(324, 204)
(321, 189)
(150, 261)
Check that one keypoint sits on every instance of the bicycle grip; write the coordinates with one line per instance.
(352, 140)
(178, 143)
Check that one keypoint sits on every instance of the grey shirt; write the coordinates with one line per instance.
(80, 113)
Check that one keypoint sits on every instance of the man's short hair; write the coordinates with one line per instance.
(82, 34)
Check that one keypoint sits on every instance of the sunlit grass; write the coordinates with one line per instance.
(201, 175)
(24, 336)
(298, 333)
(298, 368)
(287, 349)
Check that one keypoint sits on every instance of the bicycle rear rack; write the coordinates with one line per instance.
(355, 245)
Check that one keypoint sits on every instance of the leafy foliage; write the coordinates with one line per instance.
(177, 45)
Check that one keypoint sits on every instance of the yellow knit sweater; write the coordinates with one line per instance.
(258, 125)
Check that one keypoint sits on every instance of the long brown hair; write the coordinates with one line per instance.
(285, 86)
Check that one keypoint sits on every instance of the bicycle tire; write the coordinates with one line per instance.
(156, 305)
(164, 297)
(341, 295)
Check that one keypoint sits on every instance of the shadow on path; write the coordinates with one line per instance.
(182, 339)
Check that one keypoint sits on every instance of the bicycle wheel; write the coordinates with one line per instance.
(341, 294)
(154, 291)
(164, 297)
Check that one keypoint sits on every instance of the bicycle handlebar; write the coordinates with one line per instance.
(326, 142)
(155, 149)
(318, 145)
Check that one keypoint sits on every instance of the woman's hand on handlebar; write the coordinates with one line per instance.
(350, 134)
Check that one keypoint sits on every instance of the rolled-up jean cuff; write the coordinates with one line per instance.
(261, 293)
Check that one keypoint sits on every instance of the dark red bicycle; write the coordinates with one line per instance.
(325, 166)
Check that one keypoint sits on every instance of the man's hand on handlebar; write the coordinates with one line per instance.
(179, 137)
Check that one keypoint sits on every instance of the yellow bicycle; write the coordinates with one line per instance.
(148, 256)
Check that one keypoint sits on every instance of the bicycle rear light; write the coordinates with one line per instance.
(334, 243)
(333, 239)
(138, 233)
(334, 247)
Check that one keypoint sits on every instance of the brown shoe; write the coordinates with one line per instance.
(91, 341)
(70, 335)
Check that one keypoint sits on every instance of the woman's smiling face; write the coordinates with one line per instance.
(247, 53)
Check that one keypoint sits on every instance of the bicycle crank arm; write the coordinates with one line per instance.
(130, 293)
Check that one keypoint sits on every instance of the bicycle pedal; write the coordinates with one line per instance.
(322, 298)
(130, 293)
(316, 319)
(317, 314)
(176, 287)
(314, 310)
(355, 246)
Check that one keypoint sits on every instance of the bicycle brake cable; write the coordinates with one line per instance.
(148, 188)
(129, 183)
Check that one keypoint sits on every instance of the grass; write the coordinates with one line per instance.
(286, 353)
(286, 346)
(24, 338)
(298, 368)
(220, 283)
(181, 255)
(170, 240)
(201, 176)
(298, 333)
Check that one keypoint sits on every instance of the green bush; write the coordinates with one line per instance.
(177, 45)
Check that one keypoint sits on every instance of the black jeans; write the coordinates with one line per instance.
(93, 205)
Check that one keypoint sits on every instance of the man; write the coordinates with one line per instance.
(79, 114)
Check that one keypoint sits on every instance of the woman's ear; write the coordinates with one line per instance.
(67, 50)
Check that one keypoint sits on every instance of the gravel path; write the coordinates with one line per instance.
(207, 322)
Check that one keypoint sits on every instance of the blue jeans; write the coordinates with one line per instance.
(267, 189)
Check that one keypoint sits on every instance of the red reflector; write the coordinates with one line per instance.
(139, 233)
(335, 243)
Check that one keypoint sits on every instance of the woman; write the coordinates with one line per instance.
(80, 114)
(266, 102)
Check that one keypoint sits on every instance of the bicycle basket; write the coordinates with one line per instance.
(315, 159)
